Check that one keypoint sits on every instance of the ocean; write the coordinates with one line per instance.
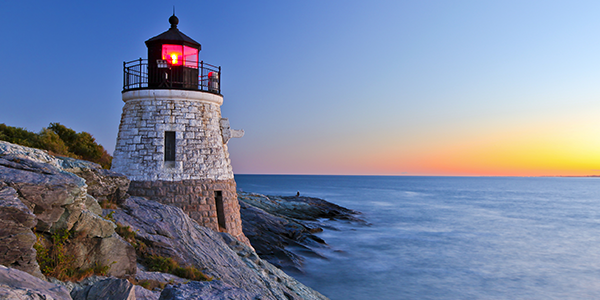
(452, 237)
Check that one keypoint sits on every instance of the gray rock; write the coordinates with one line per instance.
(214, 290)
(92, 205)
(104, 288)
(158, 277)
(102, 184)
(300, 207)
(16, 284)
(57, 199)
(16, 236)
(43, 188)
(291, 288)
(154, 277)
(144, 294)
(169, 232)
(37, 155)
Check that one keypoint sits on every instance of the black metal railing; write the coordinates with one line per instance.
(138, 74)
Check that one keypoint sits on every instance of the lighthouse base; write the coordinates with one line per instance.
(211, 203)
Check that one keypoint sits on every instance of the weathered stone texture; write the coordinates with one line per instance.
(16, 284)
(102, 184)
(197, 199)
(104, 288)
(57, 200)
(200, 150)
(16, 236)
(235, 267)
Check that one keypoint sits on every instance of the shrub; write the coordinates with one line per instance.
(55, 262)
(49, 140)
(82, 144)
(190, 273)
(158, 263)
(59, 140)
(17, 135)
(162, 264)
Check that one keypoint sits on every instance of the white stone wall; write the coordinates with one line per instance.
(195, 117)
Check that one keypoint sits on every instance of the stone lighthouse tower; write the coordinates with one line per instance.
(172, 141)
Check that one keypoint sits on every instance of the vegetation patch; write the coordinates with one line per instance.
(157, 263)
(151, 284)
(55, 262)
(59, 140)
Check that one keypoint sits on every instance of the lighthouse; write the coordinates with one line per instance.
(172, 141)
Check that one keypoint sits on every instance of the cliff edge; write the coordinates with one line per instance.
(53, 229)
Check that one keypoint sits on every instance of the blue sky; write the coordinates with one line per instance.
(335, 87)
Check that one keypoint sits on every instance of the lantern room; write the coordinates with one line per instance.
(173, 63)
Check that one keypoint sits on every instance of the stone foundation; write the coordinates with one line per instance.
(199, 199)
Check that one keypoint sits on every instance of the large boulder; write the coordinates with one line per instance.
(43, 188)
(16, 284)
(58, 200)
(16, 235)
(104, 288)
(102, 184)
(169, 232)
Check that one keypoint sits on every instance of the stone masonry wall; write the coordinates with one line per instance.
(197, 198)
(201, 164)
(199, 152)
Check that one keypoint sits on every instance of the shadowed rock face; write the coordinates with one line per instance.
(170, 232)
(275, 224)
(104, 288)
(16, 284)
(16, 237)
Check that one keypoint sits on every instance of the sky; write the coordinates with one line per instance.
(450, 88)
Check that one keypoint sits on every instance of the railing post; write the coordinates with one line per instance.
(202, 75)
(140, 79)
(219, 79)
(125, 75)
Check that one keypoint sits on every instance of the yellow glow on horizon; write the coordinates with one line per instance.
(539, 148)
(533, 152)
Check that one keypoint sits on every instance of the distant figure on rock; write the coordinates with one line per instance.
(298, 194)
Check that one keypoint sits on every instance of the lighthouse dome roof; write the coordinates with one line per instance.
(173, 36)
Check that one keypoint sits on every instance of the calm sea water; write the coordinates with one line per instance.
(453, 237)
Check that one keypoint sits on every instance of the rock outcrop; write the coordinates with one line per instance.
(57, 198)
(281, 229)
(16, 284)
(104, 288)
(102, 184)
(16, 236)
(169, 232)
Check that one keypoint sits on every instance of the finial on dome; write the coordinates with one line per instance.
(174, 20)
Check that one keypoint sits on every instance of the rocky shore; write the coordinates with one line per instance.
(282, 229)
(50, 205)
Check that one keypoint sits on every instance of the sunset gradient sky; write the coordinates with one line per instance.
(336, 87)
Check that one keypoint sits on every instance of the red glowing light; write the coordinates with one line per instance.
(177, 55)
